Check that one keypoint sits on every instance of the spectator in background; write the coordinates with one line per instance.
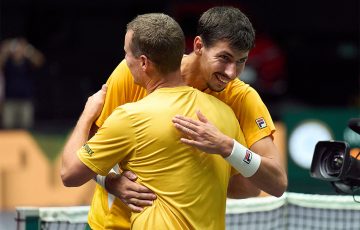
(2, 89)
(18, 60)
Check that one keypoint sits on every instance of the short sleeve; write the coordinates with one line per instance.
(251, 112)
(113, 142)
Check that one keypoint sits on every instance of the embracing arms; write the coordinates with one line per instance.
(270, 176)
(73, 171)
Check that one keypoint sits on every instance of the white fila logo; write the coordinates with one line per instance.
(261, 122)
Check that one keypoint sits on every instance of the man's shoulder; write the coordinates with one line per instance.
(121, 78)
(238, 91)
(132, 108)
(121, 69)
(217, 102)
(238, 86)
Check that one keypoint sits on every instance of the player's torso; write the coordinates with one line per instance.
(183, 178)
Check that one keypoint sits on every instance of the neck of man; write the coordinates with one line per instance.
(191, 72)
(169, 80)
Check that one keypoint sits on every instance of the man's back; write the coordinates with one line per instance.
(190, 185)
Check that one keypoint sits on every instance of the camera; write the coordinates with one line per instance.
(333, 162)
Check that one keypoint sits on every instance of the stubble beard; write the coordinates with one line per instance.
(215, 89)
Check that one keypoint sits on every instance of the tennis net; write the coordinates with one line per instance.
(292, 211)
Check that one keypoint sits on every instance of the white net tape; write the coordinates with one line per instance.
(292, 211)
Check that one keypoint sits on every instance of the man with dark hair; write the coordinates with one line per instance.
(213, 27)
(191, 185)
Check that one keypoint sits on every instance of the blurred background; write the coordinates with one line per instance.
(307, 52)
(305, 67)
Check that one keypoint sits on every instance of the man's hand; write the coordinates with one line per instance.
(134, 195)
(203, 135)
(94, 105)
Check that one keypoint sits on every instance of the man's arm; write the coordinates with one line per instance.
(73, 171)
(240, 188)
(269, 177)
(121, 90)
(34, 55)
(124, 187)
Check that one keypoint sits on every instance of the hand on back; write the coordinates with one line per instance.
(131, 193)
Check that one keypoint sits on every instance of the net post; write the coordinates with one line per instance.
(32, 223)
(27, 218)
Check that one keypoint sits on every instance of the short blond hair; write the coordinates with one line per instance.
(160, 38)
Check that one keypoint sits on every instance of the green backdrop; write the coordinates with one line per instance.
(336, 120)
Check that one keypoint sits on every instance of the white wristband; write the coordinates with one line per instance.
(243, 160)
(101, 179)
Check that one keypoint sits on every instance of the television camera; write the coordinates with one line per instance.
(333, 162)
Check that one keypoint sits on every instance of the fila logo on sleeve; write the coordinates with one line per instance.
(261, 122)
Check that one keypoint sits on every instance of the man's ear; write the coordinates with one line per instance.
(198, 45)
(144, 62)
